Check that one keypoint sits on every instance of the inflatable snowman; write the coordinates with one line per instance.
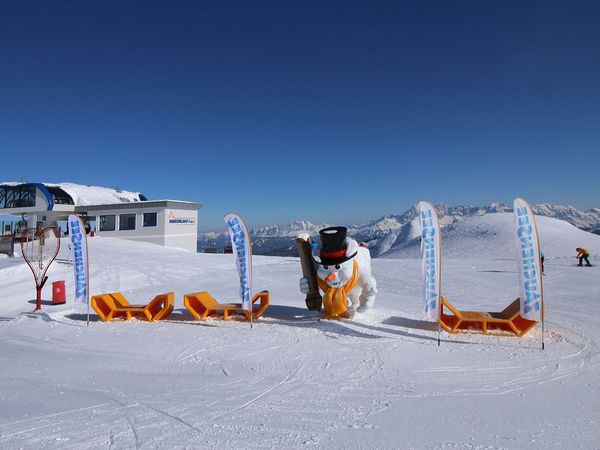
(343, 274)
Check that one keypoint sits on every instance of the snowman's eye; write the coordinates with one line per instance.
(337, 266)
(325, 267)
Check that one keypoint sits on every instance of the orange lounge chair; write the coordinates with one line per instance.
(504, 323)
(202, 305)
(114, 305)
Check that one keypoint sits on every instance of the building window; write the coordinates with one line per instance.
(59, 196)
(127, 222)
(107, 223)
(22, 196)
(150, 219)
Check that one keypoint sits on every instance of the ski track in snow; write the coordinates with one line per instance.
(293, 381)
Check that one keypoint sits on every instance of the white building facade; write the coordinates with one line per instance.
(170, 223)
(116, 213)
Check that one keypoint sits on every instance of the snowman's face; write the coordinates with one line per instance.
(337, 275)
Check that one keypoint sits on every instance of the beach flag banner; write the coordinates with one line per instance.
(242, 250)
(431, 265)
(528, 262)
(79, 256)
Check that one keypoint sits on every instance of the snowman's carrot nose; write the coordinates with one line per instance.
(330, 277)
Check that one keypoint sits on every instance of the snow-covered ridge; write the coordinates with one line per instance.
(389, 234)
(288, 230)
(493, 236)
(586, 220)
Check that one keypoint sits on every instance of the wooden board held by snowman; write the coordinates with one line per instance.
(343, 275)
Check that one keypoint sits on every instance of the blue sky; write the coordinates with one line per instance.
(335, 112)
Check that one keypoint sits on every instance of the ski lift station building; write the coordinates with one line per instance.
(110, 212)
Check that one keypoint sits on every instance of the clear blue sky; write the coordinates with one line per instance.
(334, 112)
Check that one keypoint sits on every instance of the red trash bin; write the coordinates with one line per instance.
(58, 293)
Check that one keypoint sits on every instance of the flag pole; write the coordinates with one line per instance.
(543, 320)
(439, 319)
(439, 305)
(87, 272)
(520, 205)
(543, 303)
(540, 274)
(437, 243)
(76, 221)
(242, 248)
(250, 280)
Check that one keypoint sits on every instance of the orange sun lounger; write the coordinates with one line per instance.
(504, 323)
(114, 305)
(202, 305)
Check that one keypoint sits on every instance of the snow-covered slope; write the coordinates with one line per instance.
(586, 220)
(492, 236)
(379, 381)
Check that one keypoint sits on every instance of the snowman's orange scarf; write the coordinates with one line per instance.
(334, 300)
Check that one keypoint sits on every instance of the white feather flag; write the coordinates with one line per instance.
(79, 255)
(431, 249)
(528, 261)
(242, 250)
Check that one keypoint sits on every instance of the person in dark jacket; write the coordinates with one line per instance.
(583, 254)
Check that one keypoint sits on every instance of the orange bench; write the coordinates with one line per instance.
(504, 323)
(114, 305)
(202, 305)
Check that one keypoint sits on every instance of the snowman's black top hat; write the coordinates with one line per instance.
(333, 246)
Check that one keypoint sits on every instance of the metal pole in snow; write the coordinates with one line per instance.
(439, 237)
(87, 271)
(542, 334)
(543, 319)
(439, 326)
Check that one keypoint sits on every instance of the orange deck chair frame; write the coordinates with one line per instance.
(115, 306)
(507, 322)
(202, 305)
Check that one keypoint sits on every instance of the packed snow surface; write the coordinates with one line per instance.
(378, 381)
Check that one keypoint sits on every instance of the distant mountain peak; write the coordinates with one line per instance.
(393, 232)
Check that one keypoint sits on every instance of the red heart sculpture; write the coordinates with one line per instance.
(39, 248)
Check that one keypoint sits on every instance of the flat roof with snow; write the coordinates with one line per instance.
(174, 204)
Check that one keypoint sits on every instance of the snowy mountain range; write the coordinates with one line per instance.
(388, 235)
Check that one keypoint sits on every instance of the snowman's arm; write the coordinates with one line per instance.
(369, 291)
(368, 284)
